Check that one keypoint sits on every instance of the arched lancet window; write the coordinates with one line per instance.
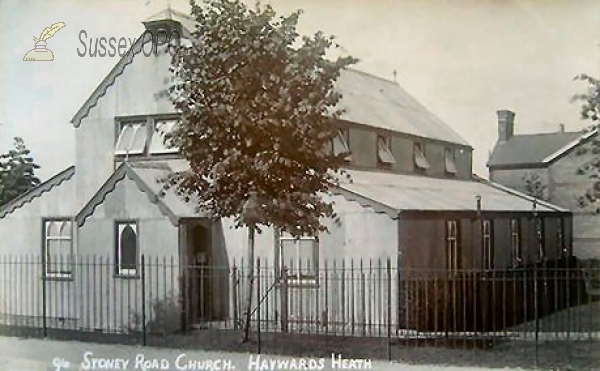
(126, 252)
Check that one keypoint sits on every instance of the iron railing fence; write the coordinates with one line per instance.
(554, 300)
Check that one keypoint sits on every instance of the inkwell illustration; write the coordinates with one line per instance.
(40, 53)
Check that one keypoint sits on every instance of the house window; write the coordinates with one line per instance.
(159, 143)
(450, 161)
(299, 256)
(126, 250)
(515, 242)
(132, 138)
(340, 144)
(419, 158)
(58, 248)
(452, 248)
(384, 151)
(487, 243)
(560, 239)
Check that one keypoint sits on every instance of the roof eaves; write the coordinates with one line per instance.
(522, 195)
(124, 170)
(108, 81)
(567, 148)
(153, 197)
(33, 193)
(522, 165)
(377, 206)
(108, 186)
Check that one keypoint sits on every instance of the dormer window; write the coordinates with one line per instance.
(384, 152)
(419, 158)
(340, 144)
(132, 138)
(159, 144)
(450, 161)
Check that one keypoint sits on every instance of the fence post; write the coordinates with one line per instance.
(258, 303)
(235, 283)
(284, 300)
(535, 310)
(389, 309)
(143, 278)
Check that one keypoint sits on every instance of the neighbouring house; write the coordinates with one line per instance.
(412, 199)
(549, 165)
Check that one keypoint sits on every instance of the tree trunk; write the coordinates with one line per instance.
(250, 287)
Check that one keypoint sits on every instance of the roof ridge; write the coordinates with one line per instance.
(548, 133)
(372, 75)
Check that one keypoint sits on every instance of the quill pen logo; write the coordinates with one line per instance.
(40, 52)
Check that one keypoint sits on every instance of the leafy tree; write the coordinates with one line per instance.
(590, 107)
(257, 106)
(590, 110)
(534, 186)
(16, 172)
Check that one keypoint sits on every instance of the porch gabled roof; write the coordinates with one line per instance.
(147, 178)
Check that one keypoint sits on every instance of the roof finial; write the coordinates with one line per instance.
(394, 73)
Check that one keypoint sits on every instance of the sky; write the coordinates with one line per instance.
(464, 60)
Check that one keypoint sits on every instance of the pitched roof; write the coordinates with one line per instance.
(530, 149)
(367, 99)
(394, 193)
(147, 178)
(33, 193)
(382, 103)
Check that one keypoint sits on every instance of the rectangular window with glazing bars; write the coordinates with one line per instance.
(384, 150)
(340, 145)
(299, 257)
(452, 246)
(488, 244)
(515, 242)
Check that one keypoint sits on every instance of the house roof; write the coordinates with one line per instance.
(147, 178)
(531, 149)
(382, 103)
(33, 193)
(395, 193)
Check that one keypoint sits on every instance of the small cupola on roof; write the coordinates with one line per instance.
(172, 22)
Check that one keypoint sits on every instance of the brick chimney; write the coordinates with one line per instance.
(506, 125)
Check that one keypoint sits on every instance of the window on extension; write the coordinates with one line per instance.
(515, 241)
(488, 244)
(132, 138)
(300, 257)
(58, 248)
(384, 150)
(340, 144)
(450, 161)
(126, 249)
(419, 159)
(452, 246)
(160, 143)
